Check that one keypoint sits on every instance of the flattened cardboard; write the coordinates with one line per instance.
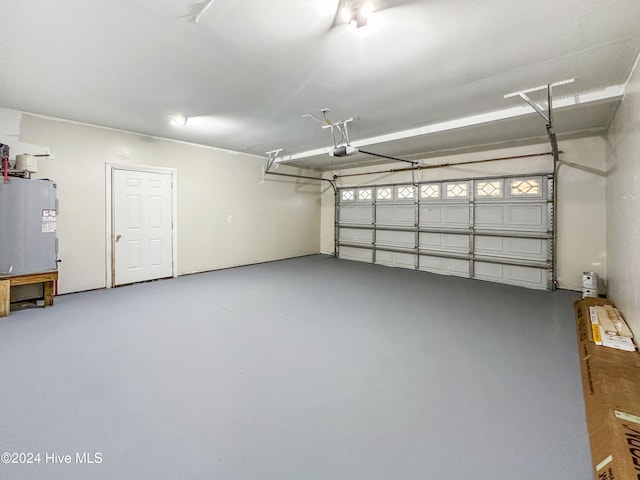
(611, 387)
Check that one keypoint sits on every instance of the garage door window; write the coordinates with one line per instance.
(529, 186)
(458, 190)
(385, 193)
(347, 195)
(405, 193)
(430, 191)
(492, 189)
(364, 194)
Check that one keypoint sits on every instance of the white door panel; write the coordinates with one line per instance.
(155, 254)
(356, 235)
(395, 215)
(522, 217)
(530, 277)
(527, 248)
(133, 252)
(431, 215)
(142, 226)
(357, 254)
(395, 259)
(394, 238)
(527, 216)
(445, 266)
(445, 216)
(356, 214)
(446, 242)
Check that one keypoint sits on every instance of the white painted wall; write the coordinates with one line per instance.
(272, 218)
(581, 190)
(623, 205)
(279, 218)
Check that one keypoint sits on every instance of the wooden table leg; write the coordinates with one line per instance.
(48, 293)
(4, 298)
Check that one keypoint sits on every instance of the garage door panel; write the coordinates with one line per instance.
(357, 254)
(356, 214)
(520, 217)
(445, 266)
(456, 215)
(492, 215)
(356, 235)
(444, 242)
(395, 238)
(527, 216)
(498, 229)
(396, 215)
(445, 216)
(396, 259)
(531, 277)
(431, 215)
(525, 248)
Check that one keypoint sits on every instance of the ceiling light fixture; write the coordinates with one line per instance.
(358, 15)
(366, 9)
(178, 120)
(345, 13)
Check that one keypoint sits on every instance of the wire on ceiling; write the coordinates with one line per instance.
(204, 9)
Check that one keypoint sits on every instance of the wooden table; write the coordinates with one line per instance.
(8, 281)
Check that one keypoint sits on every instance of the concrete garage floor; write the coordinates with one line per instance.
(305, 369)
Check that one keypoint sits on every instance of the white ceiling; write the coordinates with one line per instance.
(424, 76)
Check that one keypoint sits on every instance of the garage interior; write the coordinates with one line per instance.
(234, 182)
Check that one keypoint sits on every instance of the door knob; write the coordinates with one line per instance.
(118, 237)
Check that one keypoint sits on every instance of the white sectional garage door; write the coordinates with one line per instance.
(495, 229)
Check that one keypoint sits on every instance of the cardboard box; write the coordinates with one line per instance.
(611, 386)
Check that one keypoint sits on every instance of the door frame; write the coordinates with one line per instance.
(109, 239)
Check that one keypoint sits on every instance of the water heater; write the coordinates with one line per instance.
(28, 212)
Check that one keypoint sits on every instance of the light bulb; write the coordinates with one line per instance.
(178, 120)
(345, 13)
(366, 9)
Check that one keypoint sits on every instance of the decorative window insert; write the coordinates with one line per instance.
(348, 195)
(405, 193)
(365, 194)
(430, 191)
(489, 189)
(457, 190)
(384, 193)
(529, 186)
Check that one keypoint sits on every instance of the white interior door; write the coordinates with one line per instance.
(142, 226)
